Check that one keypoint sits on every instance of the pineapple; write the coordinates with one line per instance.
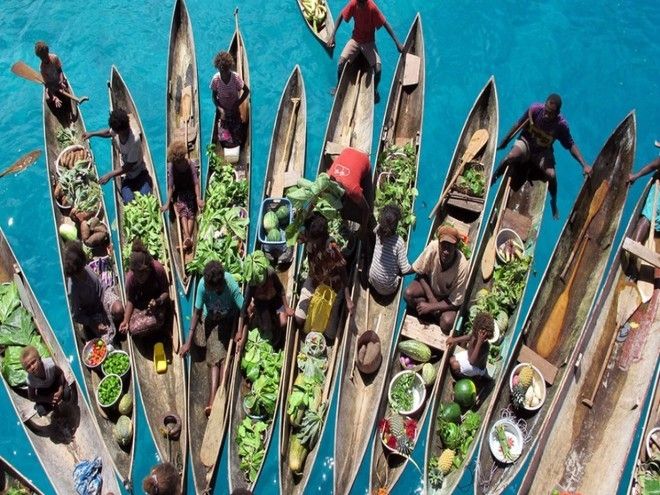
(446, 460)
(397, 428)
(518, 396)
(526, 375)
(436, 476)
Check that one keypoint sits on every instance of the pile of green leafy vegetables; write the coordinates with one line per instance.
(66, 136)
(262, 367)
(17, 330)
(223, 225)
(81, 186)
(142, 218)
(398, 168)
(472, 182)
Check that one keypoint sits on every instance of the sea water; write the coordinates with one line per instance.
(600, 56)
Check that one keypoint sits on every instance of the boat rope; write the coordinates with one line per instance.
(510, 414)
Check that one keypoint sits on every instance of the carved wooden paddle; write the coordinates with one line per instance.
(22, 163)
(488, 258)
(21, 69)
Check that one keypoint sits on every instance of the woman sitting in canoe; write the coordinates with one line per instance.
(147, 294)
(228, 92)
(442, 274)
(326, 266)
(389, 262)
(183, 187)
(94, 305)
(136, 177)
(265, 303)
(54, 82)
(164, 479)
(472, 361)
(46, 383)
(219, 300)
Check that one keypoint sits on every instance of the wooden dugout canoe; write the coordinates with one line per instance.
(613, 164)
(387, 468)
(652, 423)
(183, 122)
(161, 393)
(287, 156)
(350, 124)
(327, 27)
(358, 393)
(10, 478)
(587, 443)
(198, 384)
(123, 458)
(523, 208)
(63, 441)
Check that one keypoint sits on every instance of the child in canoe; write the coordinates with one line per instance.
(47, 386)
(389, 262)
(472, 362)
(183, 188)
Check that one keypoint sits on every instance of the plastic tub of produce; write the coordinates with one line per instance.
(535, 392)
(109, 391)
(70, 155)
(509, 246)
(116, 363)
(407, 392)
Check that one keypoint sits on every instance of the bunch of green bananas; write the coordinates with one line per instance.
(315, 11)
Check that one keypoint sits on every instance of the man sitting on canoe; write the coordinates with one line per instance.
(367, 18)
(136, 177)
(46, 383)
(442, 274)
(219, 300)
(352, 170)
(54, 82)
(541, 124)
(228, 91)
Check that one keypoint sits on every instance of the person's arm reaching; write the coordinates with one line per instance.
(331, 41)
(388, 28)
(575, 153)
(652, 166)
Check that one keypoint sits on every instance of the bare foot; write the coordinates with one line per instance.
(187, 243)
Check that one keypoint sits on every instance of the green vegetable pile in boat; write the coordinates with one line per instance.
(117, 363)
(251, 450)
(142, 218)
(223, 225)
(255, 267)
(397, 165)
(17, 330)
(402, 392)
(109, 390)
(79, 187)
(472, 182)
(66, 137)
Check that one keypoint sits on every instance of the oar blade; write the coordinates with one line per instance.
(488, 259)
(21, 69)
(22, 163)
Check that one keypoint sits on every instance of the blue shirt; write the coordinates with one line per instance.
(230, 300)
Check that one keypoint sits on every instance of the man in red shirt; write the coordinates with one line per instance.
(352, 170)
(367, 19)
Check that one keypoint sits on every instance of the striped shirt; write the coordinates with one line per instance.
(389, 262)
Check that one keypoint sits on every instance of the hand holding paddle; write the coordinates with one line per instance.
(21, 69)
(22, 163)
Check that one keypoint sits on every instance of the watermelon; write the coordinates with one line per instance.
(274, 235)
(283, 214)
(270, 221)
(465, 393)
(450, 412)
(68, 232)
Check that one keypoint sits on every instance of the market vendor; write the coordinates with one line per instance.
(442, 274)
(352, 170)
(219, 300)
(55, 82)
(47, 385)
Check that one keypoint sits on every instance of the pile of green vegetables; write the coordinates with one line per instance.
(457, 434)
(223, 225)
(66, 137)
(305, 407)
(17, 330)
(142, 218)
(80, 188)
(262, 367)
(402, 392)
(473, 181)
(323, 196)
(109, 390)
(274, 220)
(398, 166)
(117, 363)
(255, 267)
(505, 294)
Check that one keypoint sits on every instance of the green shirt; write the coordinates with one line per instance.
(229, 301)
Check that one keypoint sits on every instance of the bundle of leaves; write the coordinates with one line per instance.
(66, 137)
(398, 166)
(17, 330)
(261, 366)
(223, 223)
(251, 451)
(142, 219)
(459, 437)
(505, 294)
(80, 186)
(473, 181)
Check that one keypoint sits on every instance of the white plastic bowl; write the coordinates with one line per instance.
(537, 377)
(512, 431)
(418, 392)
(73, 147)
(504, 235)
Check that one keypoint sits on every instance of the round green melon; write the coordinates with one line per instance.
(274, 235)
(283, 214)
(465, 393)
(270, 221)
(450, 412)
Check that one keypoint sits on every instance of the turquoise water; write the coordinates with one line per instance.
(600, 56)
